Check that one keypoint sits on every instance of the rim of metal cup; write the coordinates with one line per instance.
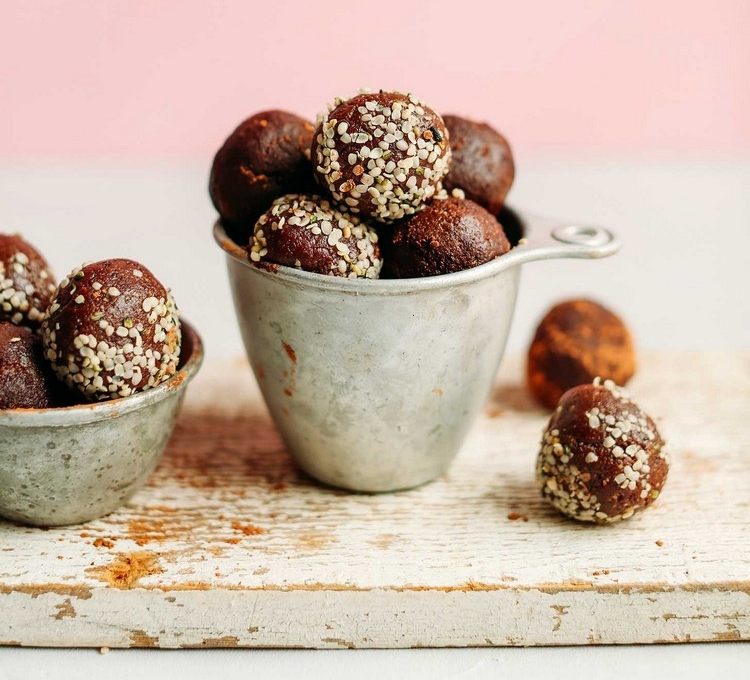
(81, 414)
(541, 238)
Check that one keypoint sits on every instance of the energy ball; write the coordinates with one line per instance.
(381, 155)
(265, 157)
(26, 281)
(482, 163)
(449, 235)
(307, 232)
(112, 330)
(26, 380)
(576, 341)
(602, 457)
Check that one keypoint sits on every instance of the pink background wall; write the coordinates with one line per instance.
(148, 79)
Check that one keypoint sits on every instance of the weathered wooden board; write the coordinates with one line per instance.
(230, 546)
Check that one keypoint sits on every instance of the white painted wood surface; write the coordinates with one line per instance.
(230, 546)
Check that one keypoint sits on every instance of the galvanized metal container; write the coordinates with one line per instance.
(69, 465)
(373, 385)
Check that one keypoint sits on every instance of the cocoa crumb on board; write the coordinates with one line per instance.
(127, 569)
(248, 529)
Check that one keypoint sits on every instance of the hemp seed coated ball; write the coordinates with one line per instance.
(602, 458)
(576, 341)
(449, 235)
(26, 282)
(26, 380)
(482, 163)
(307, 232)
(381, 154)
(268, 155)
(112, 330)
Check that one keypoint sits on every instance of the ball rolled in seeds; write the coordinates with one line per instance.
(26, 380)
(26, 282)
(449, 235)
(112, 330)
(576, 341)
(381, 155)
(309, 233)
(481, 164)
(601, 457)
(268, 155)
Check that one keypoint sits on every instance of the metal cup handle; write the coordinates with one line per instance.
(546, 239)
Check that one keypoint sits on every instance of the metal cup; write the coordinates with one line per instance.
(63, 466)
(373, 384)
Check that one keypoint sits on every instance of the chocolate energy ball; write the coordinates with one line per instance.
(265, 157)
(482, 163)
(576, 341)
(112, 330)
(307, 232)
(26, 380)
(602, 457)
(447, 236)
(382, 154)
(26, 282)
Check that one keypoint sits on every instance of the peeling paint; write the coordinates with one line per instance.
(64, 610)
(37, 590)
(215, 643)
(338, 641)
(139, 638)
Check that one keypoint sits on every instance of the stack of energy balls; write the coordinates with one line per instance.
(109, 330)
(383, 186)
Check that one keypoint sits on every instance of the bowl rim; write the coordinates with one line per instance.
(515, 256)
(80, 414)
(541, 238)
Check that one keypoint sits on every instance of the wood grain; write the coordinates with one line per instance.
(229, 545)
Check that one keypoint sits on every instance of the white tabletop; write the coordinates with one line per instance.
(712, 660)
(681, 281)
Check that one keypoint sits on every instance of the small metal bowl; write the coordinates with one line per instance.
(62, 466)
(373, 385)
